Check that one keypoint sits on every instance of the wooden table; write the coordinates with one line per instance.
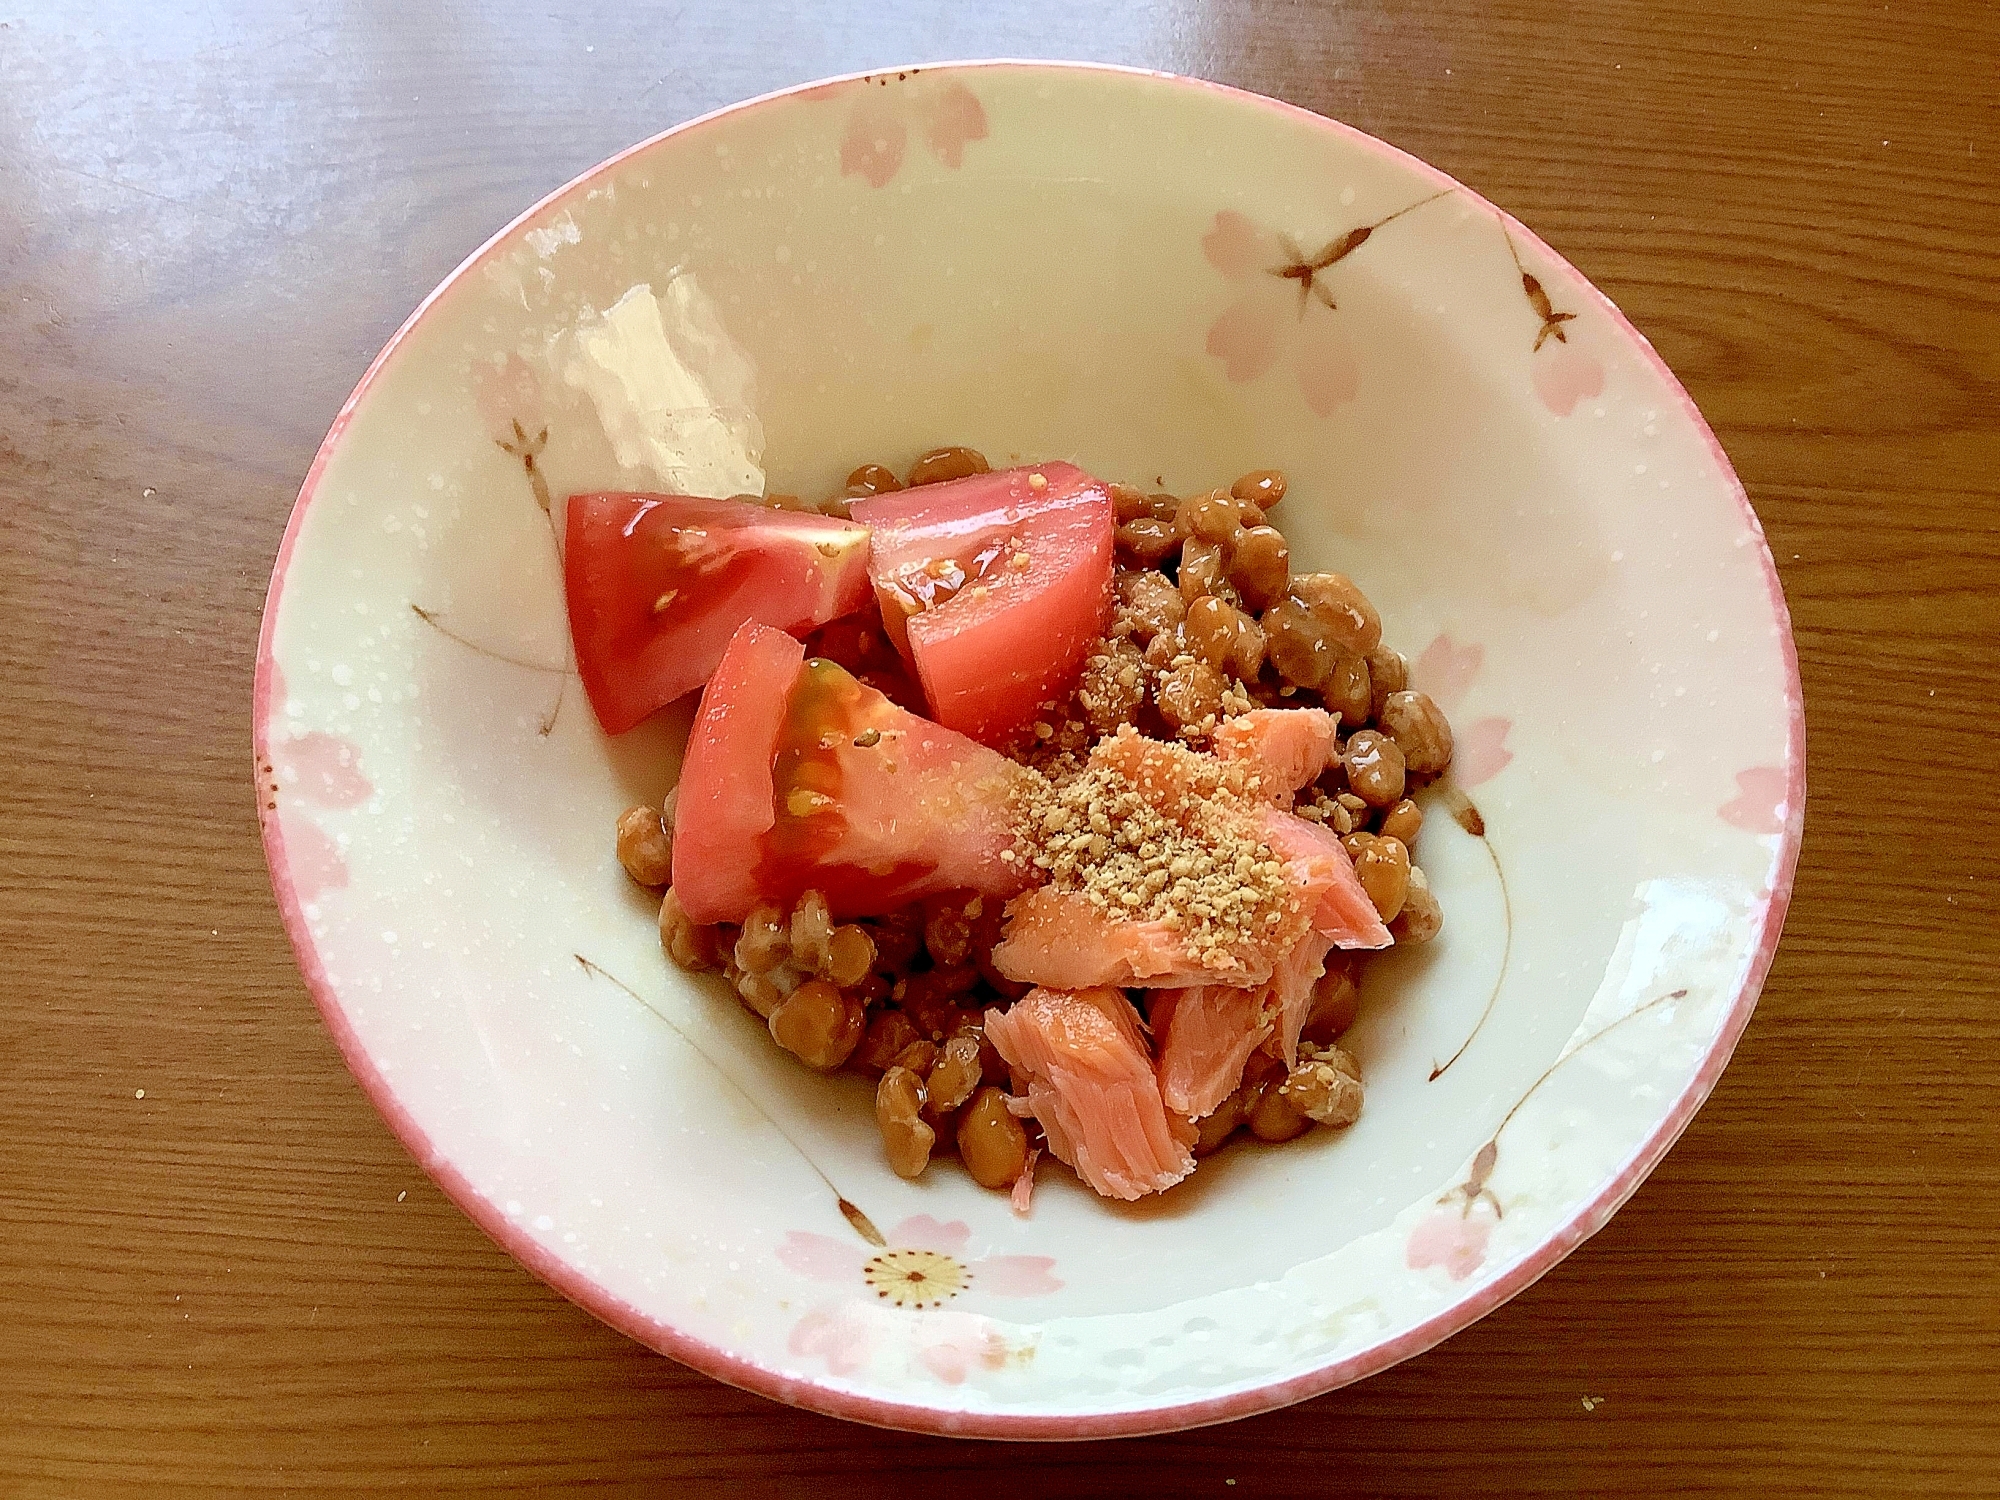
(218, 1271)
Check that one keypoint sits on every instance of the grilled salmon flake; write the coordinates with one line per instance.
(1154, 832)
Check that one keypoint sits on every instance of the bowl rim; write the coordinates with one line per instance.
(734, 1369)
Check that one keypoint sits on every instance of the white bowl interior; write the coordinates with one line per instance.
(1549, 531)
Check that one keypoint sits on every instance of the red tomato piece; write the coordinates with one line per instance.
(799, 777)
(860, 644)
(994, 588)
(726, 805)
(658, 584)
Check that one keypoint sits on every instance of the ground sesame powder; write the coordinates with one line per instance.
(1153, 832)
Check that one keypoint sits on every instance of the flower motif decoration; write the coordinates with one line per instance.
(1552, 321)
(1481, 752)
(948, 115)
(1454, 1235)
(1759, 805)
(1452, 1239)
(1566, 373)
(916, 1278)
(508, 395)
(1267, 323)
(839, 1336)
(950, 1345)
(923, 1267)
(528, 449)
(320, 770)
(959, 1342)
(323, 768)
(1446, 671)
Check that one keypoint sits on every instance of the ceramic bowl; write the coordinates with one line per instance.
(1165, 281)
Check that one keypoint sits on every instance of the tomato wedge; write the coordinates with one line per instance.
(994, 588)
(658, 584)
(726, 804)
(799, 777)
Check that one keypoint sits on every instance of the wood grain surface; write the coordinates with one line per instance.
(211, 215)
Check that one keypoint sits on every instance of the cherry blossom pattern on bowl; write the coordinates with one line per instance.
(1281, 313)
(1446, 671)
(942, 111)
(921, 1267)
(1164, 281)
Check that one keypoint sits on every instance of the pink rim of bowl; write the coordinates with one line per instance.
(748, 1375)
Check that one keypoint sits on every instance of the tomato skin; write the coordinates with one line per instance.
(657, 585)
(800, 777)
(725, 805)
(1025, 558)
